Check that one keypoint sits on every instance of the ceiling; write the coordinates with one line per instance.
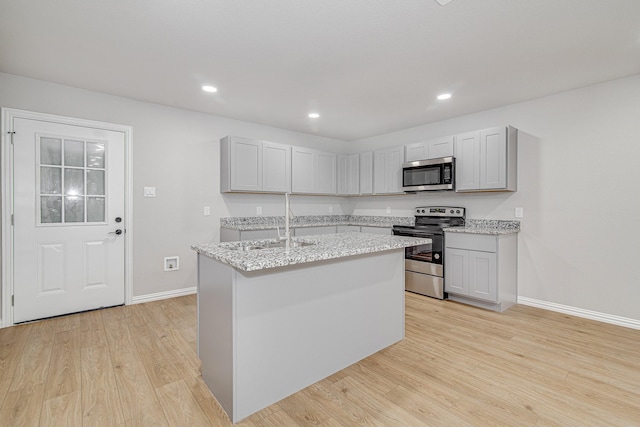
(368, 67)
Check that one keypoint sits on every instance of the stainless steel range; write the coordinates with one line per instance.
(424, 264)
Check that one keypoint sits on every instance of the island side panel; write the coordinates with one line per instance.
(215, 328)
(297, 325)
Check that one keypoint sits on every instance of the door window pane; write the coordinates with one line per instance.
(74, 182)
(95, 182)
(95, 155)
(50, 209)
(95, 209)
(50, 180)
(50, 151)
(74, 209)
(73, 153)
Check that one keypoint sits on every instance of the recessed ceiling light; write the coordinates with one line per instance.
(210, 89)
(444, 96)
(314, 115)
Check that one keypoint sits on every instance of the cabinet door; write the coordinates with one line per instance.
(456, 271)
(276, 167)
(245, 164)
(302, 170)
(353, 174)
(380, 176)
(325, 182)
(493, 158)
(416, 151)
(366, 172)
(441, 147)
(394, 170)
(342, 174)
(467, 147)
(482, 276)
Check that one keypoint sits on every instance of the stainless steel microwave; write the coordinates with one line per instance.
(429, 175)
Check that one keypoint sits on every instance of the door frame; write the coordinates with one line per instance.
(6, 180)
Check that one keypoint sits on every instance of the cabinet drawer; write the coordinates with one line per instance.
(473, 242)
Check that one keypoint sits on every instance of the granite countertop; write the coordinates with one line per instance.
(487, 226)
(327, 246)
(271, 222)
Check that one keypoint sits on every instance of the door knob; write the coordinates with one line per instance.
(117, 232)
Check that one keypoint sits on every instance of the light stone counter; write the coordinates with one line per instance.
(487, 226)
(324, 247)
(272, 222)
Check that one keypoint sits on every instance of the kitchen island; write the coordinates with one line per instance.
(271, 322)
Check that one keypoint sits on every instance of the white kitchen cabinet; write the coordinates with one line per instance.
(276, 167)
(254, 166)
(348, 174)
(313, 171)
(376, 230)
(486, 160)
(481, 269)
(387, 170)
(432, 149)
(366, 173)
(311, 231)
(348, 229)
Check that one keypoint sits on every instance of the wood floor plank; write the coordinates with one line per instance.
(100, 398)
(62, 411)
(23, 406)
(65, 370)
(180, 406)
(458, 365)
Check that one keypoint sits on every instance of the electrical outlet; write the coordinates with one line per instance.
(388, 210)
(330, 209)
(258, 210)
(207, 211)
(519, 212)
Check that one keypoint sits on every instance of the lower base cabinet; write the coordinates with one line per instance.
(481, 269)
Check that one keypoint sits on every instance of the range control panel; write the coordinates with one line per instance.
(440, 211)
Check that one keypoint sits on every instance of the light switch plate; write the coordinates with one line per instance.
(519, 212)
(149, 191)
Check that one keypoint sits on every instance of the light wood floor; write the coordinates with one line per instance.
(458, 366)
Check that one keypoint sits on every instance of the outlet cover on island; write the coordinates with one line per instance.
(171, 263)
(519, 212)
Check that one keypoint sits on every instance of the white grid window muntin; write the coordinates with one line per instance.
(71, 181)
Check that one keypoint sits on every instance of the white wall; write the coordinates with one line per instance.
(177, 151)
(579, 165)
(578, 181)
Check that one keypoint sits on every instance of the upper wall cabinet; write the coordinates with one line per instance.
(366, 173)
(432, 149)
(254, 166)
(387, 170)
(486, 160)
(348, 174)
(313, 171)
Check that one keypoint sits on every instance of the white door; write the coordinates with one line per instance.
(69, 225)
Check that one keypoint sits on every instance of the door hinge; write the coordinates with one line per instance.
(11, 133)
(11, 219)
(12, 300)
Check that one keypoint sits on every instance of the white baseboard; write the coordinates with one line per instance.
(579, 312)
(163, 295)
